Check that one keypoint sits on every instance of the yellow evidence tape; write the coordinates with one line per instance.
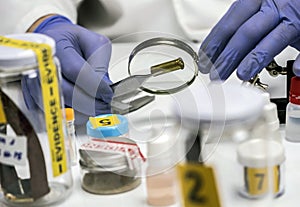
(51, 100)
(2, 114)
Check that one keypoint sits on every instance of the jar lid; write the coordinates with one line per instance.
(259, 153)
(107, 125)
(271, 116)
(266, 97)
(162, 152)
(14, 59)
(69, 114)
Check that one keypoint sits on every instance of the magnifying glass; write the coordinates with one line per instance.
(158, 53)
(157, 66)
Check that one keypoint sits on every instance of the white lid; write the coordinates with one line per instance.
(271, 117)
(160, 152)
(266, 97)
(259, 153)
(159, 146)
(12, 59)
(270, 113)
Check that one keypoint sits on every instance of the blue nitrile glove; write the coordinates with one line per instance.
(84, 57)
(249, 36)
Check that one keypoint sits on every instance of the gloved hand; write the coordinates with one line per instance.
(249, 36)
(84, 58)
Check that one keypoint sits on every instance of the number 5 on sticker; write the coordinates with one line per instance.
(104, 121)
(198, 186)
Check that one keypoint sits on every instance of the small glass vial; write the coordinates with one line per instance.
(70, 118)
(161, 180)
(262, 161)
(110, 162)
(292, 124)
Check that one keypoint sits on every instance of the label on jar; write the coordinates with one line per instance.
(257, 180)
(13, 150)
(131, 150)
(51, 100)
(113, 146)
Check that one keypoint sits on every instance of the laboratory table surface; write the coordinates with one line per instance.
(223, 158)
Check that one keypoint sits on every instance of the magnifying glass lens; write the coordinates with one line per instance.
(176, 68)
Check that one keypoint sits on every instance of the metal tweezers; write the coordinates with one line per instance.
(127, 89)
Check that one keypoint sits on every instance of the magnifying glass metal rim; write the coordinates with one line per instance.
(169, 42)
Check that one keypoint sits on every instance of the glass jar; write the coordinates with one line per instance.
(110, 162)
(35, 167)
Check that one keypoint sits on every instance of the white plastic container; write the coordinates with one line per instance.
(292, 123)
(262, 161)
(41, 173)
